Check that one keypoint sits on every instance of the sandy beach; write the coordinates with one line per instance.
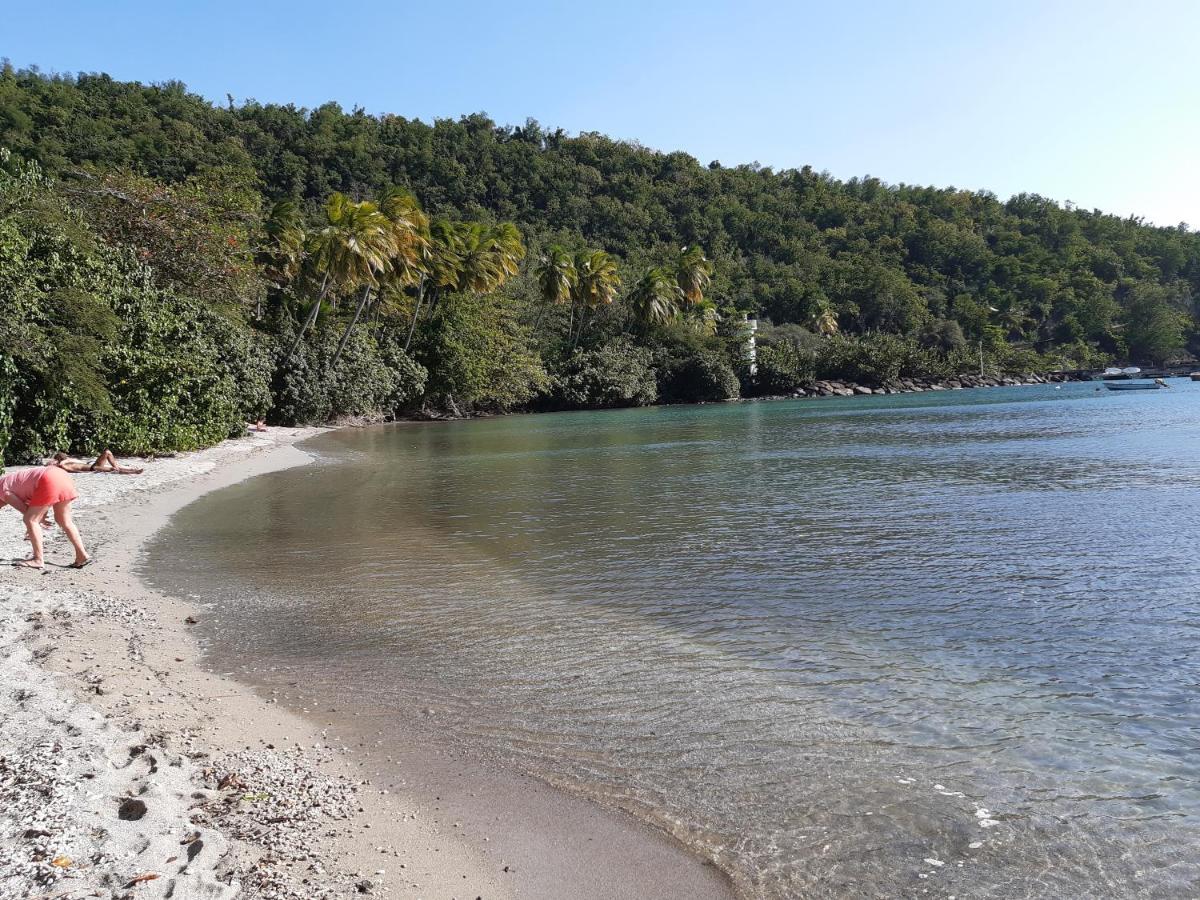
(128, 769)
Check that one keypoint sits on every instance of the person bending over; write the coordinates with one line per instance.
(105, 462)
(33, 492)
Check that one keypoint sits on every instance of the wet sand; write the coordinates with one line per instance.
(234, 794)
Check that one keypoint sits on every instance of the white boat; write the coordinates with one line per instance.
(1124, 380)
(1133, 385)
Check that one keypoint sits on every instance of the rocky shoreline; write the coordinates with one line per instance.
(919, 385)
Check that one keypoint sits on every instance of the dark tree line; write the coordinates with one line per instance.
(185, 205)
(791, 245)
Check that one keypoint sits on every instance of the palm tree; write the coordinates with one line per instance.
(441, 267)
(556, 278)
(706, 317)
(491, 254)
(410, 229)
(354, 246)
(693, 273)
(596, 285)
(508, 248)
(823, 318)
(468, 257)
(408, 226)
(282, 252)
(656, 298)
(481, 271)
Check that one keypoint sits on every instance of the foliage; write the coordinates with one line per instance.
(170, 381)
(783, 368)
(619, 373)
(795, 245)
(1154, 323)
(941, 334)
(197, 237)
(97, 354)
(694, 374)
(656, 298)
(479, 356)
(796, 335)
(871, 361)
(187, 265)
(371, 380)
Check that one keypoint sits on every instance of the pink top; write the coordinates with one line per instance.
(22, 483)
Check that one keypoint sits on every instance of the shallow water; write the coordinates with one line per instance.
(875, 647)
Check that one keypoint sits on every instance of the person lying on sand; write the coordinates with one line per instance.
(33, 492)
(105, 462)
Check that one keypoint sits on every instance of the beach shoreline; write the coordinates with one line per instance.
(127, 765)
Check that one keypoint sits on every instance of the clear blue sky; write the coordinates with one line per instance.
(1091, 101)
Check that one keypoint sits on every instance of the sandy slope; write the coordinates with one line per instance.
(120, 757)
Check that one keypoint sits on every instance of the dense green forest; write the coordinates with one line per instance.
(169, 267)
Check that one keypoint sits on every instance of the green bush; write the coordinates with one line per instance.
(409, 376)
(479, 356)
(789, 333)
(614, 375)
(8, 384)
(872, 360)
(941, 334)
(170, 383)
(370, 381)
(98, 355)
(783, 368)
(694, 376)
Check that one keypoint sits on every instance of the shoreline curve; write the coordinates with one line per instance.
(312, 823)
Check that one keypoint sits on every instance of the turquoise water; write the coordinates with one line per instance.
(935, 644)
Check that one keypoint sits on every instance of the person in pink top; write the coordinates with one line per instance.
(33, 492)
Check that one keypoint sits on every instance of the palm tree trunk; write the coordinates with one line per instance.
(362, 304)
(583, 321)
(312, 317)
(416, 312)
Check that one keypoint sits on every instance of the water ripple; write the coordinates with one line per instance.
(876, 647)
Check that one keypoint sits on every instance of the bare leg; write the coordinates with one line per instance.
(33, 530)
(62, 515)
(104, 462)
(46, 523)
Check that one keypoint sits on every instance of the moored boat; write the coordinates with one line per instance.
(1133, 385)
(1126, 380)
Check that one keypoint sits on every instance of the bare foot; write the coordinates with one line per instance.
(28, 564)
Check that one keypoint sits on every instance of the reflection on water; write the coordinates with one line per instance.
(880, 646)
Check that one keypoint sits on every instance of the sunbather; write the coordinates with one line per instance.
(105, 462)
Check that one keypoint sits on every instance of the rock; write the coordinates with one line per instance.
(365, 886)
(131, 809)
(859, 389)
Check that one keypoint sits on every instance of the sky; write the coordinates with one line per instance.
(1092, 102)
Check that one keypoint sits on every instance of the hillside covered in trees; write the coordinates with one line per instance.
(168, 266)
